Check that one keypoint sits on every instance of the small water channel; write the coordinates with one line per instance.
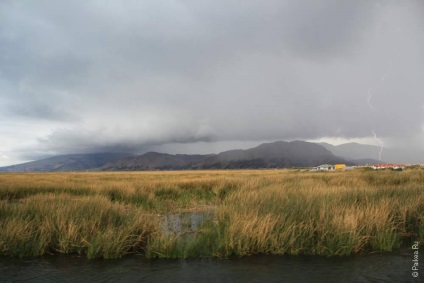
(184, 223)
(60, 268)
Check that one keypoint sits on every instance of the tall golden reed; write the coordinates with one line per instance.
(109, 214)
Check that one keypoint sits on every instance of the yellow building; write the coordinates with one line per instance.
(339, 166)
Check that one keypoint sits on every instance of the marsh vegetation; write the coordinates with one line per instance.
(239, 213)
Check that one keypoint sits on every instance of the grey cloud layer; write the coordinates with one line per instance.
(129, 75)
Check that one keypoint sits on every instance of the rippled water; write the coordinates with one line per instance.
(369, 268)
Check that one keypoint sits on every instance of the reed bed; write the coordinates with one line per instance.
(110, 214)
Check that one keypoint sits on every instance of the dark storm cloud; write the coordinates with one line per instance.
(54, 44)
(128, 76)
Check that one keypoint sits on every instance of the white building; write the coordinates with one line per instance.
(326, 167)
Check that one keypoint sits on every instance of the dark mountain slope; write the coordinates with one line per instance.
(156, 161)
(71, 162)
(274, 155)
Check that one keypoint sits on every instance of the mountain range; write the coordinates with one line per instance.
(278, 154)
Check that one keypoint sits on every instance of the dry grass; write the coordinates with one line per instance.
(48, 223)
(255, 211)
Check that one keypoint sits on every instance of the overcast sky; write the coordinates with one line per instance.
(203, 76)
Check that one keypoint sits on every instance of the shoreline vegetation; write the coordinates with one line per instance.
(237, 213)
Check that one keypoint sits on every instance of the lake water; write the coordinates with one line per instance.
(362, 268)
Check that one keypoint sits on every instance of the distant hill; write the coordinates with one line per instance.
(268, 155)
(366, 161)
(353, 150)
(369, 153)
(71, 162)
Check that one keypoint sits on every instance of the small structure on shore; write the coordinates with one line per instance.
(388, 166)
(339, 166)
(331, 167)
(325, 167)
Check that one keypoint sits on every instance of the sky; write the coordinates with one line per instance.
(195, 76)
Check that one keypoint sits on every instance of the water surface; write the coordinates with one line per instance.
(62, 268)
